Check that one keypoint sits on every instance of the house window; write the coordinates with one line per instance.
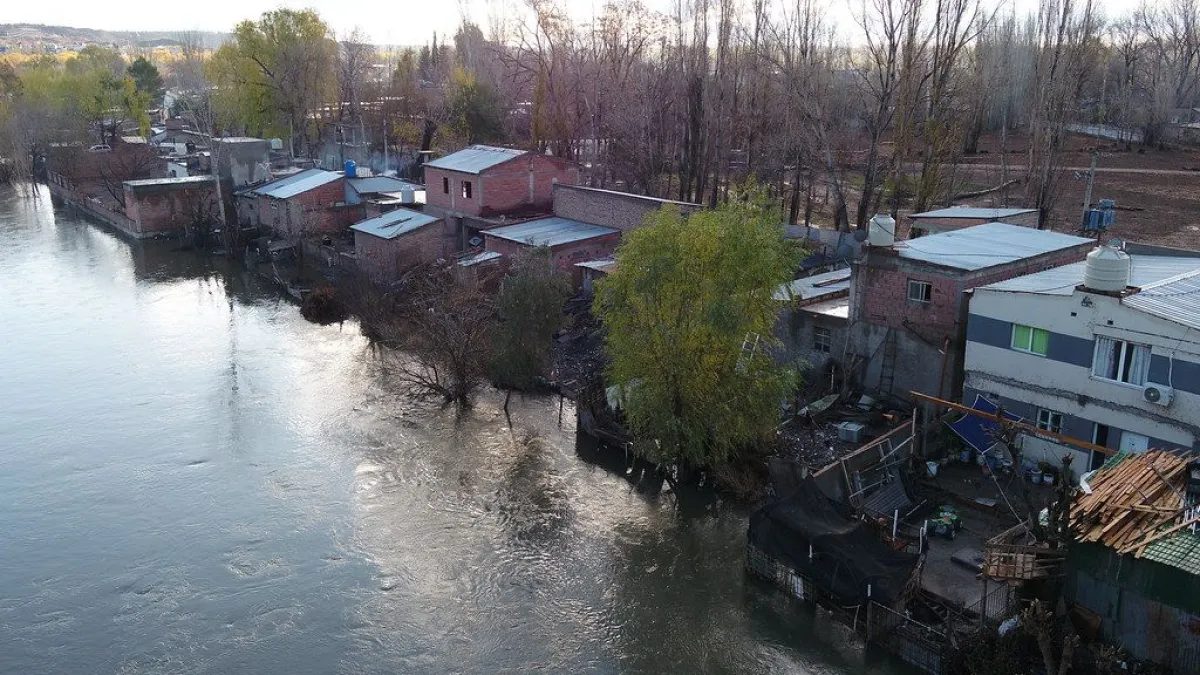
(920, 291)
(1121, 361)
(1048, 420)
(822, 339)
(1030, 339)
(445, 185)
(466, 189)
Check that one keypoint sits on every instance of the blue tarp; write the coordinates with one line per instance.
(977, 431)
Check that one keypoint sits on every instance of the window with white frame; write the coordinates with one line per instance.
(1121, 361)
(1030, 339)
(920, 291)
(1048, 420)
(822, 339)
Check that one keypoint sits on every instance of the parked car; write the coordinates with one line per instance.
(100, 148)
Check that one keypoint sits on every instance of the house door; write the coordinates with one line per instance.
(1131, 442)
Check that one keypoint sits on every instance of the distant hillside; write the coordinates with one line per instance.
(28, 33)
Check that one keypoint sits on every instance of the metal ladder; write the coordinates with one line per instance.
(887, 370)
(749, 350)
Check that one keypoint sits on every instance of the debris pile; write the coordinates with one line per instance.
(1128, 502)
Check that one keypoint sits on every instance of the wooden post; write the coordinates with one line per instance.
(560, 408)
(983, 603)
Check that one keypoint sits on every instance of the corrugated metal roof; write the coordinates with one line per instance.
(605, 265)
(818, 285)
(478, 258)
(379, 184)
(973, 212)
(1181, 550)
(1145, 270)
(838, 307)
(168, 181)
(1176, 299)
(298, 183)
(475, 159)
(394, 223)
(987, 245)
(553, 231)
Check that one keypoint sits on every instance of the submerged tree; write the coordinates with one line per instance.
(689, 315)
(529, 309)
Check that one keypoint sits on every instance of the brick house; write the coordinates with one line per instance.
(619, 210)
(388, 243)
(476, 185)
(958, 217)
(311, 202)
(908, 302)
(162, 205)
(812, 325)
(570, 241)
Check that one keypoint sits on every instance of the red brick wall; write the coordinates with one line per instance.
(383, 259)
(611, 209)
(882, 289)
(522, 182)
(565, 256)
(314, 212)
(163, 210)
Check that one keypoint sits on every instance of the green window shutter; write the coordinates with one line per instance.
(1021, 336)
(1040, 341)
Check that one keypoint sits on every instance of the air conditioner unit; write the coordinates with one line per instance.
(1158, 394)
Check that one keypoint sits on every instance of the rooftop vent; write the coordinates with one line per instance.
(1107, 268)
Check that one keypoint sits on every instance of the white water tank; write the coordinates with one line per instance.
(1106, 269)
(882, 231)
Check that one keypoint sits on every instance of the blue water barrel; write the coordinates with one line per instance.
(351, 169)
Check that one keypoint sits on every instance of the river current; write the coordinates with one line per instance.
(194, 479)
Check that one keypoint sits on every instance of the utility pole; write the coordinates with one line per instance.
(1091, 178)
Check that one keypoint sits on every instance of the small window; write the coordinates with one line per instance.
(920, 291)
(822, 339)
(466, 189)
(1121, 361)
(1030, 339)
(445, 185)
(1048, 420)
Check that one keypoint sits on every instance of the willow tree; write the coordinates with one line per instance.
(275, 73)
(689, 317)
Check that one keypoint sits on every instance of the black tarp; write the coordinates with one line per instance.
(847, 556)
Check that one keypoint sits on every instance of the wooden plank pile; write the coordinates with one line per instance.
(1132, 501)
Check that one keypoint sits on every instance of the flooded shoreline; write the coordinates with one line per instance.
(196, 480)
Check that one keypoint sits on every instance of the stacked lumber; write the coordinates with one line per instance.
(1132, 501)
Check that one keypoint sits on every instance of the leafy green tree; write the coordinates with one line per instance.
(274, 73)
(147, 79)
(686, 294)
(529, 309)
(475, 111)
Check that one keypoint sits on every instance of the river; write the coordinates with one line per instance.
(193, 479)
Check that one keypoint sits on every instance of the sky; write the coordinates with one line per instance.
(395, 22)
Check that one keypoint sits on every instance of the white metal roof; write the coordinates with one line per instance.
(142, 182)
(837, 307)
(552, 231)
(987, 245)
(475, 159)
(1176, 299)
(380, 184)
(1145, 271)
(828, 283)
(298, 183)
(604, 265)
(973, 212)
(394, 223)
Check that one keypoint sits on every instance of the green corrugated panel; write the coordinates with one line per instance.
(1180, 550)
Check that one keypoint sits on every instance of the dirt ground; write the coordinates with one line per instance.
(1157, 191)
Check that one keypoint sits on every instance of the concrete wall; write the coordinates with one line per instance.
(244, 161)
(618, 210)
(796, 329)
(566, 255)
(382, 260)
(879, 303)
(521, 183)
(1063, 382)
(156, 209)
